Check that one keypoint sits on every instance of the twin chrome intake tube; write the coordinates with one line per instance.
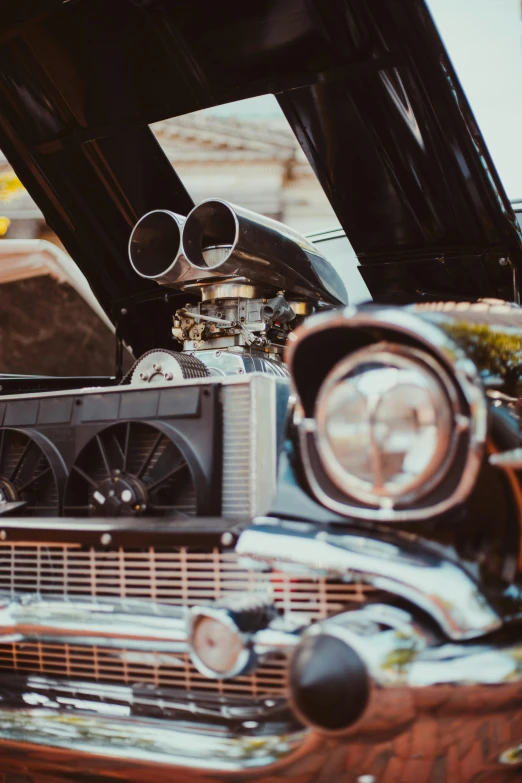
(219, 240)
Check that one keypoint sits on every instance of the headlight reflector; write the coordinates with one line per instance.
(385, 425)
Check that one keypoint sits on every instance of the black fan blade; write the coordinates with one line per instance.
(10, 508)
(27, 464)
(118, 450)
(104, 456)
(84, 475)
(126, 447)
(35, 478)
(169, 459)
(152, 452)
(167, 476)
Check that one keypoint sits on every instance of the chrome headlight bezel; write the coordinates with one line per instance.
(398, 329)
(445, 405)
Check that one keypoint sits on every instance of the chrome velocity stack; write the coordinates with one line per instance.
(155, 247)
(222, 239)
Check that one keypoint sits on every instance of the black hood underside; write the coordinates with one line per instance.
(365, 84)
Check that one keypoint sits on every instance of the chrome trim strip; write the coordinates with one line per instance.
(426, 579)
(139, 625)
(32, 690)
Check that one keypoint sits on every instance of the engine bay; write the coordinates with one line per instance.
(254, 281)
(173, 435)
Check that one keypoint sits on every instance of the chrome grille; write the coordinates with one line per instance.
(128, 667)
(180, 576)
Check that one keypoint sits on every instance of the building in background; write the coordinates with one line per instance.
(254, 162)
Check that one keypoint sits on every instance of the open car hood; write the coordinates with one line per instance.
(366, 86)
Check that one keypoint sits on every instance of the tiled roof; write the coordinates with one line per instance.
(200, 136)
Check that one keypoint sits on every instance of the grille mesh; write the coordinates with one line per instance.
(177, 576)
(128, 667)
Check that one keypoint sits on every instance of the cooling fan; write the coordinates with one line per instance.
(132, 469)
(32, 473)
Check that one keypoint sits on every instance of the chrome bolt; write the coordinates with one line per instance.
(144, 376)
(168, 376)
(227, 539)
(123, 311)
(106, 539)
(156, 367)
(126, 495)
(3, 535)
(503, 261)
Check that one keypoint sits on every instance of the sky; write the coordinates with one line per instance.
(484, 41)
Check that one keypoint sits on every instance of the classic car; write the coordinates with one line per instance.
(284, 545)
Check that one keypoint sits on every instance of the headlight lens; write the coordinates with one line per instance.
(384, 425)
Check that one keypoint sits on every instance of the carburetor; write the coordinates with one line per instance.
(233, 314)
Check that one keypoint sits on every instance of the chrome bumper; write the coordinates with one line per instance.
(466, 708)
(114, 745)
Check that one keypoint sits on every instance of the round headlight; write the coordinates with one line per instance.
(385, 425)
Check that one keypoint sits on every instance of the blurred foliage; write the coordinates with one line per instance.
(10, 186)
(495, 351)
